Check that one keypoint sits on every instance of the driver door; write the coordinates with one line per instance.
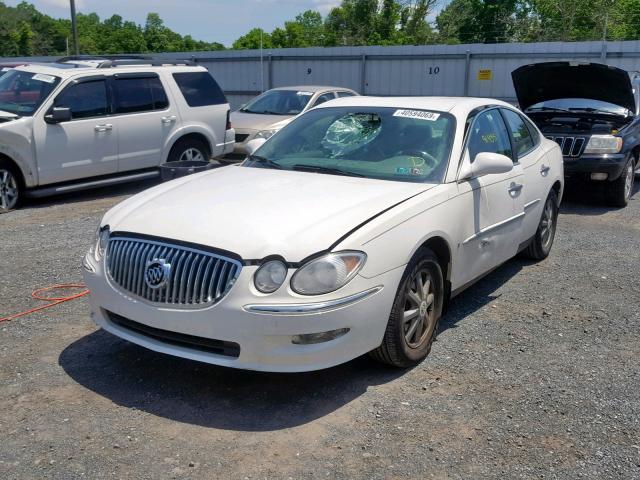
(86, 145)
(492, 205)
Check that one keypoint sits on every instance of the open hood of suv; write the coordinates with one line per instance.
(541, 82)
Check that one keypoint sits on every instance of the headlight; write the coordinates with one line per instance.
(100, 242)
(604, 144)
(327, 273)
(270, 276)
(266, 134)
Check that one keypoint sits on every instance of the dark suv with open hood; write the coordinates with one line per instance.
(593, 112)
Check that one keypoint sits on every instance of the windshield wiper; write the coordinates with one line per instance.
(547, 109)
(265, 161)
(321, 169)
(593, 110)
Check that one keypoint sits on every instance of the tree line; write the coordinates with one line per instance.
(24, 31)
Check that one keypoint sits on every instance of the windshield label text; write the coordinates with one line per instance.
(419, 114)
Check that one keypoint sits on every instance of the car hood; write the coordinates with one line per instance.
(540, 82)
(256, 212)
(257, 121)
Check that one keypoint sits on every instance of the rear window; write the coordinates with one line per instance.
(199, 89)
(139, 95)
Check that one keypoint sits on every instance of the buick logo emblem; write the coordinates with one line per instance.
(156, 273)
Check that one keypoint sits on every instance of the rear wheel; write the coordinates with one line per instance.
(189, 149)
(543, 240)
(10, 187)
(621, 189)
(415, 314)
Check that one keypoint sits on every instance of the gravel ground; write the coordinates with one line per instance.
(534, 375)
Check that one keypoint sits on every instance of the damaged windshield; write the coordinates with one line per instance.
(21, 93)
(374, 142)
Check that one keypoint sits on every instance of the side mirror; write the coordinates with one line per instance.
(58, 115)
(487, 163)
(253, 145)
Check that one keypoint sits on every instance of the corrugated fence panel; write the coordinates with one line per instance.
(339, 73)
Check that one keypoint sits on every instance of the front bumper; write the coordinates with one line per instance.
(261, 325)
(611, 164)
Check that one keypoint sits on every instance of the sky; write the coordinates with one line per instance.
(209, 20)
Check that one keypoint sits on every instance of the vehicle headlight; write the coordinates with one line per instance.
(270, 276)
(266, 134)
(327, 273)
(604, 144)
(99, 246)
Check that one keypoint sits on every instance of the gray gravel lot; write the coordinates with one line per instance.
(534, 375)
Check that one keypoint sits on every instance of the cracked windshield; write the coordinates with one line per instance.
(383, 143)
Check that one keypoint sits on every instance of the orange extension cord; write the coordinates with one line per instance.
(37, 294)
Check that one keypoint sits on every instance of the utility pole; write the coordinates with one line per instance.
(74, 28)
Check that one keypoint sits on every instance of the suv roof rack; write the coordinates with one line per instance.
(109, 61)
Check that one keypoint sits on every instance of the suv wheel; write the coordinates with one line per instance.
(415, 314)
(622, 188)
(189, 149)
(10, 187)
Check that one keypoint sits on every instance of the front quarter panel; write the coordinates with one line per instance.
(16, 143)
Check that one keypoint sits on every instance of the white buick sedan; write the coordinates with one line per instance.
(345, 233)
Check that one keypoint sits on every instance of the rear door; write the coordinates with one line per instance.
(86, 145)
(526, 141)
(492, 204)
(145, 118)
(204, 107)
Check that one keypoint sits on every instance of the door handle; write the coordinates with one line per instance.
(103, 128)
(544, 170)
(515, 188)
(169, 119)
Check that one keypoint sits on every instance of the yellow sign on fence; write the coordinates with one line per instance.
(485, 74)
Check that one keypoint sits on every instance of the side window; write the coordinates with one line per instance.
(489, 134)
(325, 97)
(86, 99)
(521, 135)
(139, 95)
(199, 89)
(345, 94)
(535, 134)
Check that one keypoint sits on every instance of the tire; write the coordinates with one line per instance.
(11, 187)
(187, 149)
(621, 189)
(542, 242)
(399, 348)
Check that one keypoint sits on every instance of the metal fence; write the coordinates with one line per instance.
(469, 70)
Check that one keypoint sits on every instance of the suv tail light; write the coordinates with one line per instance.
(228, 119)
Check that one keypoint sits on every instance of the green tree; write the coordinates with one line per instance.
(252, 40)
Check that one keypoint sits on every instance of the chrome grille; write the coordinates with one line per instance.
(570, 146)
(195, 278)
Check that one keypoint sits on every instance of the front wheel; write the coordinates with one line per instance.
(621, 189)
(543, 240)
(10, 187)
(415, 314)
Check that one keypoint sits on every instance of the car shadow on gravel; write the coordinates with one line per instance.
(584, 199)
(211, 396)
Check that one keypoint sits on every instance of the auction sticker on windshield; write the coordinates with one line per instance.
(419, 114)
(44, 78)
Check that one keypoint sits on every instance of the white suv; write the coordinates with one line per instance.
(64, 124)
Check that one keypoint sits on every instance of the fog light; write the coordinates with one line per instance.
(599, 176)
(310, 338)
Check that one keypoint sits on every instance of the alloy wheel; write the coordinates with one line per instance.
(548, 223)
(8, 190)
(419, 309)
(191, 154)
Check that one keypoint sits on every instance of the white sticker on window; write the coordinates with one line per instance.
(5, 69)
(419, 114)
(305, 94)
(44, 78)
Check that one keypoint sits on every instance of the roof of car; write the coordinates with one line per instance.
(312, 88)
(441, 104)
